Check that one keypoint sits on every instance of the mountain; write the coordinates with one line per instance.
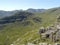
(6, 13)
(23, 27)
(9, 13)
(18, 20)
(20, 16)
(35, 10)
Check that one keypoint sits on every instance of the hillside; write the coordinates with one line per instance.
(23, 27)
(6, 13)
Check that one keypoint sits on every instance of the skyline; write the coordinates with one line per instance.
(9, 5)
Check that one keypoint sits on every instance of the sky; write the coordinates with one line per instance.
(9, 5)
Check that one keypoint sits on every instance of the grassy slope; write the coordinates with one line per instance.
(17, 33)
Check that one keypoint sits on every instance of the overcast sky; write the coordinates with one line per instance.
(25, 4)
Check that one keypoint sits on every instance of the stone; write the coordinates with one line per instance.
(30, 44)
(42, 30)
(57, 44)
(42, 43)
(12, 44)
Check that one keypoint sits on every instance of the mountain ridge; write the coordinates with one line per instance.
(9, 13)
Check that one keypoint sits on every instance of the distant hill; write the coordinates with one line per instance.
(9, 13)
(6, 13)
(35, 10)
(20, 16)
